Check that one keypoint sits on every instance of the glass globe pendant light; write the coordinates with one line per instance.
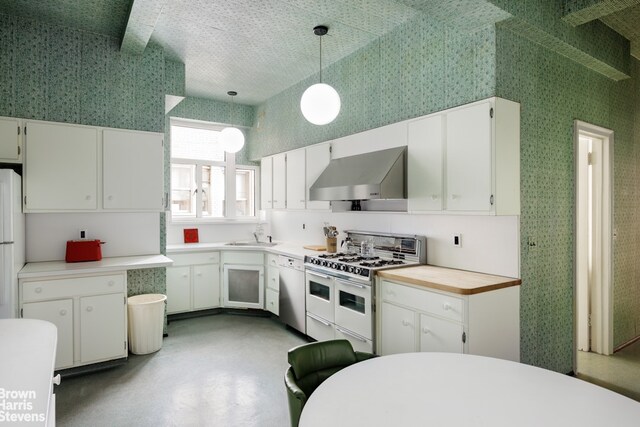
(320, 103)
(232, 138)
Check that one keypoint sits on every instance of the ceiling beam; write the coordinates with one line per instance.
(142, 20)
(578, 12)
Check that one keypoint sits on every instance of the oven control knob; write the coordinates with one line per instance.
(334, 265)
(350, 269)
(343, 267)
(357, 270)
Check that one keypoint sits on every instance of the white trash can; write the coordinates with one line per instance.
(146, 322)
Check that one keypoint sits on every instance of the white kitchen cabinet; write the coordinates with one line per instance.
(102, 318)
(272, 296)
(279, 181)
(317, 159)
(132, 170)
(425, 163)
(10, 140)
(466, 159)
(60, 313)
(416, 318)
(193, 282)
(89, 312)
(266, 183)
(296, 182)
(61, 167)
(243, 279)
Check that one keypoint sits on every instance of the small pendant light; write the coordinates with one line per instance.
(320, 103)
(232, 138)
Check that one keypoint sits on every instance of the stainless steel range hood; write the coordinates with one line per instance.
(375, 175)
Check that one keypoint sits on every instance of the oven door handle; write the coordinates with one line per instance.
(352, 335)
(313, 273)
(317, 319)
(342, 282)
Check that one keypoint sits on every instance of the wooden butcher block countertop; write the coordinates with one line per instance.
(449, 280)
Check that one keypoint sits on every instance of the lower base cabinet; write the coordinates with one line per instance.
(89, 313)
(193, 282)
(414, 318)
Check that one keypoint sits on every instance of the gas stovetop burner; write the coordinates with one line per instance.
(381, 263)
(338, 255)
(356, 258)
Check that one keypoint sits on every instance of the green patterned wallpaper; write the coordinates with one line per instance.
(421, 67)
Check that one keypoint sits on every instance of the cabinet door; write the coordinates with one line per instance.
(424, 164)
(206, 286)
(102, 327)
(60, 313)
(317, 159)
(133, 170)
(440, 335)
(398, 330)
(266, 183)
(61, 164)
(469, 158)
(178, 289)
(296, 187)
(10, 140)
(279, 181)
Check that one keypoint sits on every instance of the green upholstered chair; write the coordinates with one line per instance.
(313, 363)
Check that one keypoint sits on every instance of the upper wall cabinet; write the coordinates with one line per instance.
(266, 183)
(10, 140)
(279, 181)
(61, 167)
(318, 157)
(466, 160)
(132, 170)
(296, 188)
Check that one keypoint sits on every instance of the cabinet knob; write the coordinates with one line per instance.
(87, 197)
(271, 303)
(426, 331)
(454, 196)
(56, 379)
(184, 276)
(38, 290)
(89, 309)
(111, 283)
(110, 198)
(446, 306)
(63, 312)
(434, 197)
(406, 323)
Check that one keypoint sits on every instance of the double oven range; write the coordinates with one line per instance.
(340, 286)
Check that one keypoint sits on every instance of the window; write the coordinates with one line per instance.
(202, 175)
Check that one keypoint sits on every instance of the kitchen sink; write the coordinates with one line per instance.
(267, 244)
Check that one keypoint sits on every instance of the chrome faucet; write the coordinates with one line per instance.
(256, 236)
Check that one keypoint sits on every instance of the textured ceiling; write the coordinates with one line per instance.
(261, 47)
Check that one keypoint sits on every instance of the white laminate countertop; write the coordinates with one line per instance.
(27, 358)
(294, 250)
(62, 268)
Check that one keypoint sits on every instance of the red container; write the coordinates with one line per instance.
(83, 250)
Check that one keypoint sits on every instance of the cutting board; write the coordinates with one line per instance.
(315, 247)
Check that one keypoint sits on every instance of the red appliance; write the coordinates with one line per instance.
(83, 250)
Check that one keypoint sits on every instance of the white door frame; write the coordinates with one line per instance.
(602, 273)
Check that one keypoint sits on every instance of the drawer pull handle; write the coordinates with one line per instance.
(89, 309)
(426, 331)
(63, 312)
(38, 290)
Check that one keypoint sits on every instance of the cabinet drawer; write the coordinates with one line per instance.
(195, 258)
(273, 278)
(59, 288)
(243, 257)
(273, 302)
(320, 329)
(442, 305)
(272, 260)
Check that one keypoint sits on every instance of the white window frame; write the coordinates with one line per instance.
(229, 165)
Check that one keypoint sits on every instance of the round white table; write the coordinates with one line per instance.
(447, 389)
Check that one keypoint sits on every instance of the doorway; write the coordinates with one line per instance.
(594, 274)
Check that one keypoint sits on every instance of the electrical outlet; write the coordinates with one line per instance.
(304, 226)
(457, 240)
(83, 234)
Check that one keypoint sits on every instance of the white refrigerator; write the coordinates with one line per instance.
(12, 241)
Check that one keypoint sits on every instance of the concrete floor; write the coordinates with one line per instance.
(619, 372)
(220, 370)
